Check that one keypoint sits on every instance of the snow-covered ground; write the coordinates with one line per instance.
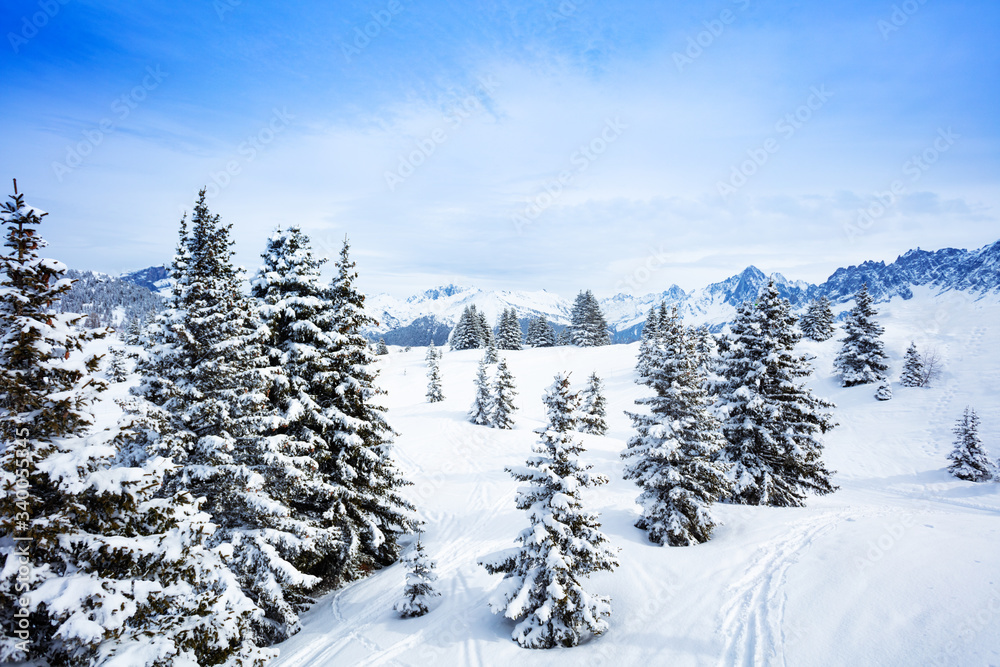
(901, 566)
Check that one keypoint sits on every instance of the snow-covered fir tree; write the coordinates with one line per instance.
(593, 409)
(862, 358)
(913, 368)
(303, 344)
(502, 401)
(968, 460)
(771, 420)
(117, 367)
(373, 512)
(432, 352)
(587, 326)
(491, 348)
(203, 404)
(479, 413)
(97, 565)
(434, 392)
(884, 391)
(380, 348)
(133, 331)
(509, 331)
(542, 586)
(468, 332)
(420, 577)
(649, 341)
(565, 337)
(540, 333)
(817, 322)
(674, 456)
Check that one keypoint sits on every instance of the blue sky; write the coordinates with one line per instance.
(561, 145)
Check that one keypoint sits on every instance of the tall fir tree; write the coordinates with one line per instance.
(420, 578)
(817, 322)
(587, 326)
(674, 456)
(509, 331)
(480, 413)
(771, 419)
(302, 342)
(542, 586)
(862, 358)
(502, 401)
(913, 368)
(373, 511)
(96, 566)
(491, 348)
(593, 408)
(467, 334)
(434, 392)
(968, 460)
(203, 403)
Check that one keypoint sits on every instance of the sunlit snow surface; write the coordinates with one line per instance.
(901, 566)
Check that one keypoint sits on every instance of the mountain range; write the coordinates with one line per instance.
(431, 314)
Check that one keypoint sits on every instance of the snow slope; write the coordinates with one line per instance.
(901, 566)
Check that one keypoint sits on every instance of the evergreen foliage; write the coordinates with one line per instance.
(862, 359)
(420, 578)
(479, 413)
(593, 407)
(540, 333)
(203, 404)
(884, 391)
(468, 333)
(649, 342)
(913, 368)
(434, 393)
(771, 419)
(509, 331)
(817, 322)
(104, 566)
(542, 588)
(381, 348)
(968, 460)
(588, 327)
(674, 456)
(117, 367)
(502, 401)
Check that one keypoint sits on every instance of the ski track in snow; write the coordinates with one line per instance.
(752, 618)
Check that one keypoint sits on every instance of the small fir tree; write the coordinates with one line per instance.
(862, 358)
(542, 588)
(817, 322)
(884, 391)
(491, 349)
(502, 407)
(649, 342)
(434, 393)
(381, 348)
(592, 407)
(117, 366)
(674, 455)
(913, 368)
(509, 331)
(420, 578)
(968, 460)
(479, 413)
(540, 333)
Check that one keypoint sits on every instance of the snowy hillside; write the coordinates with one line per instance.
(899, 567)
